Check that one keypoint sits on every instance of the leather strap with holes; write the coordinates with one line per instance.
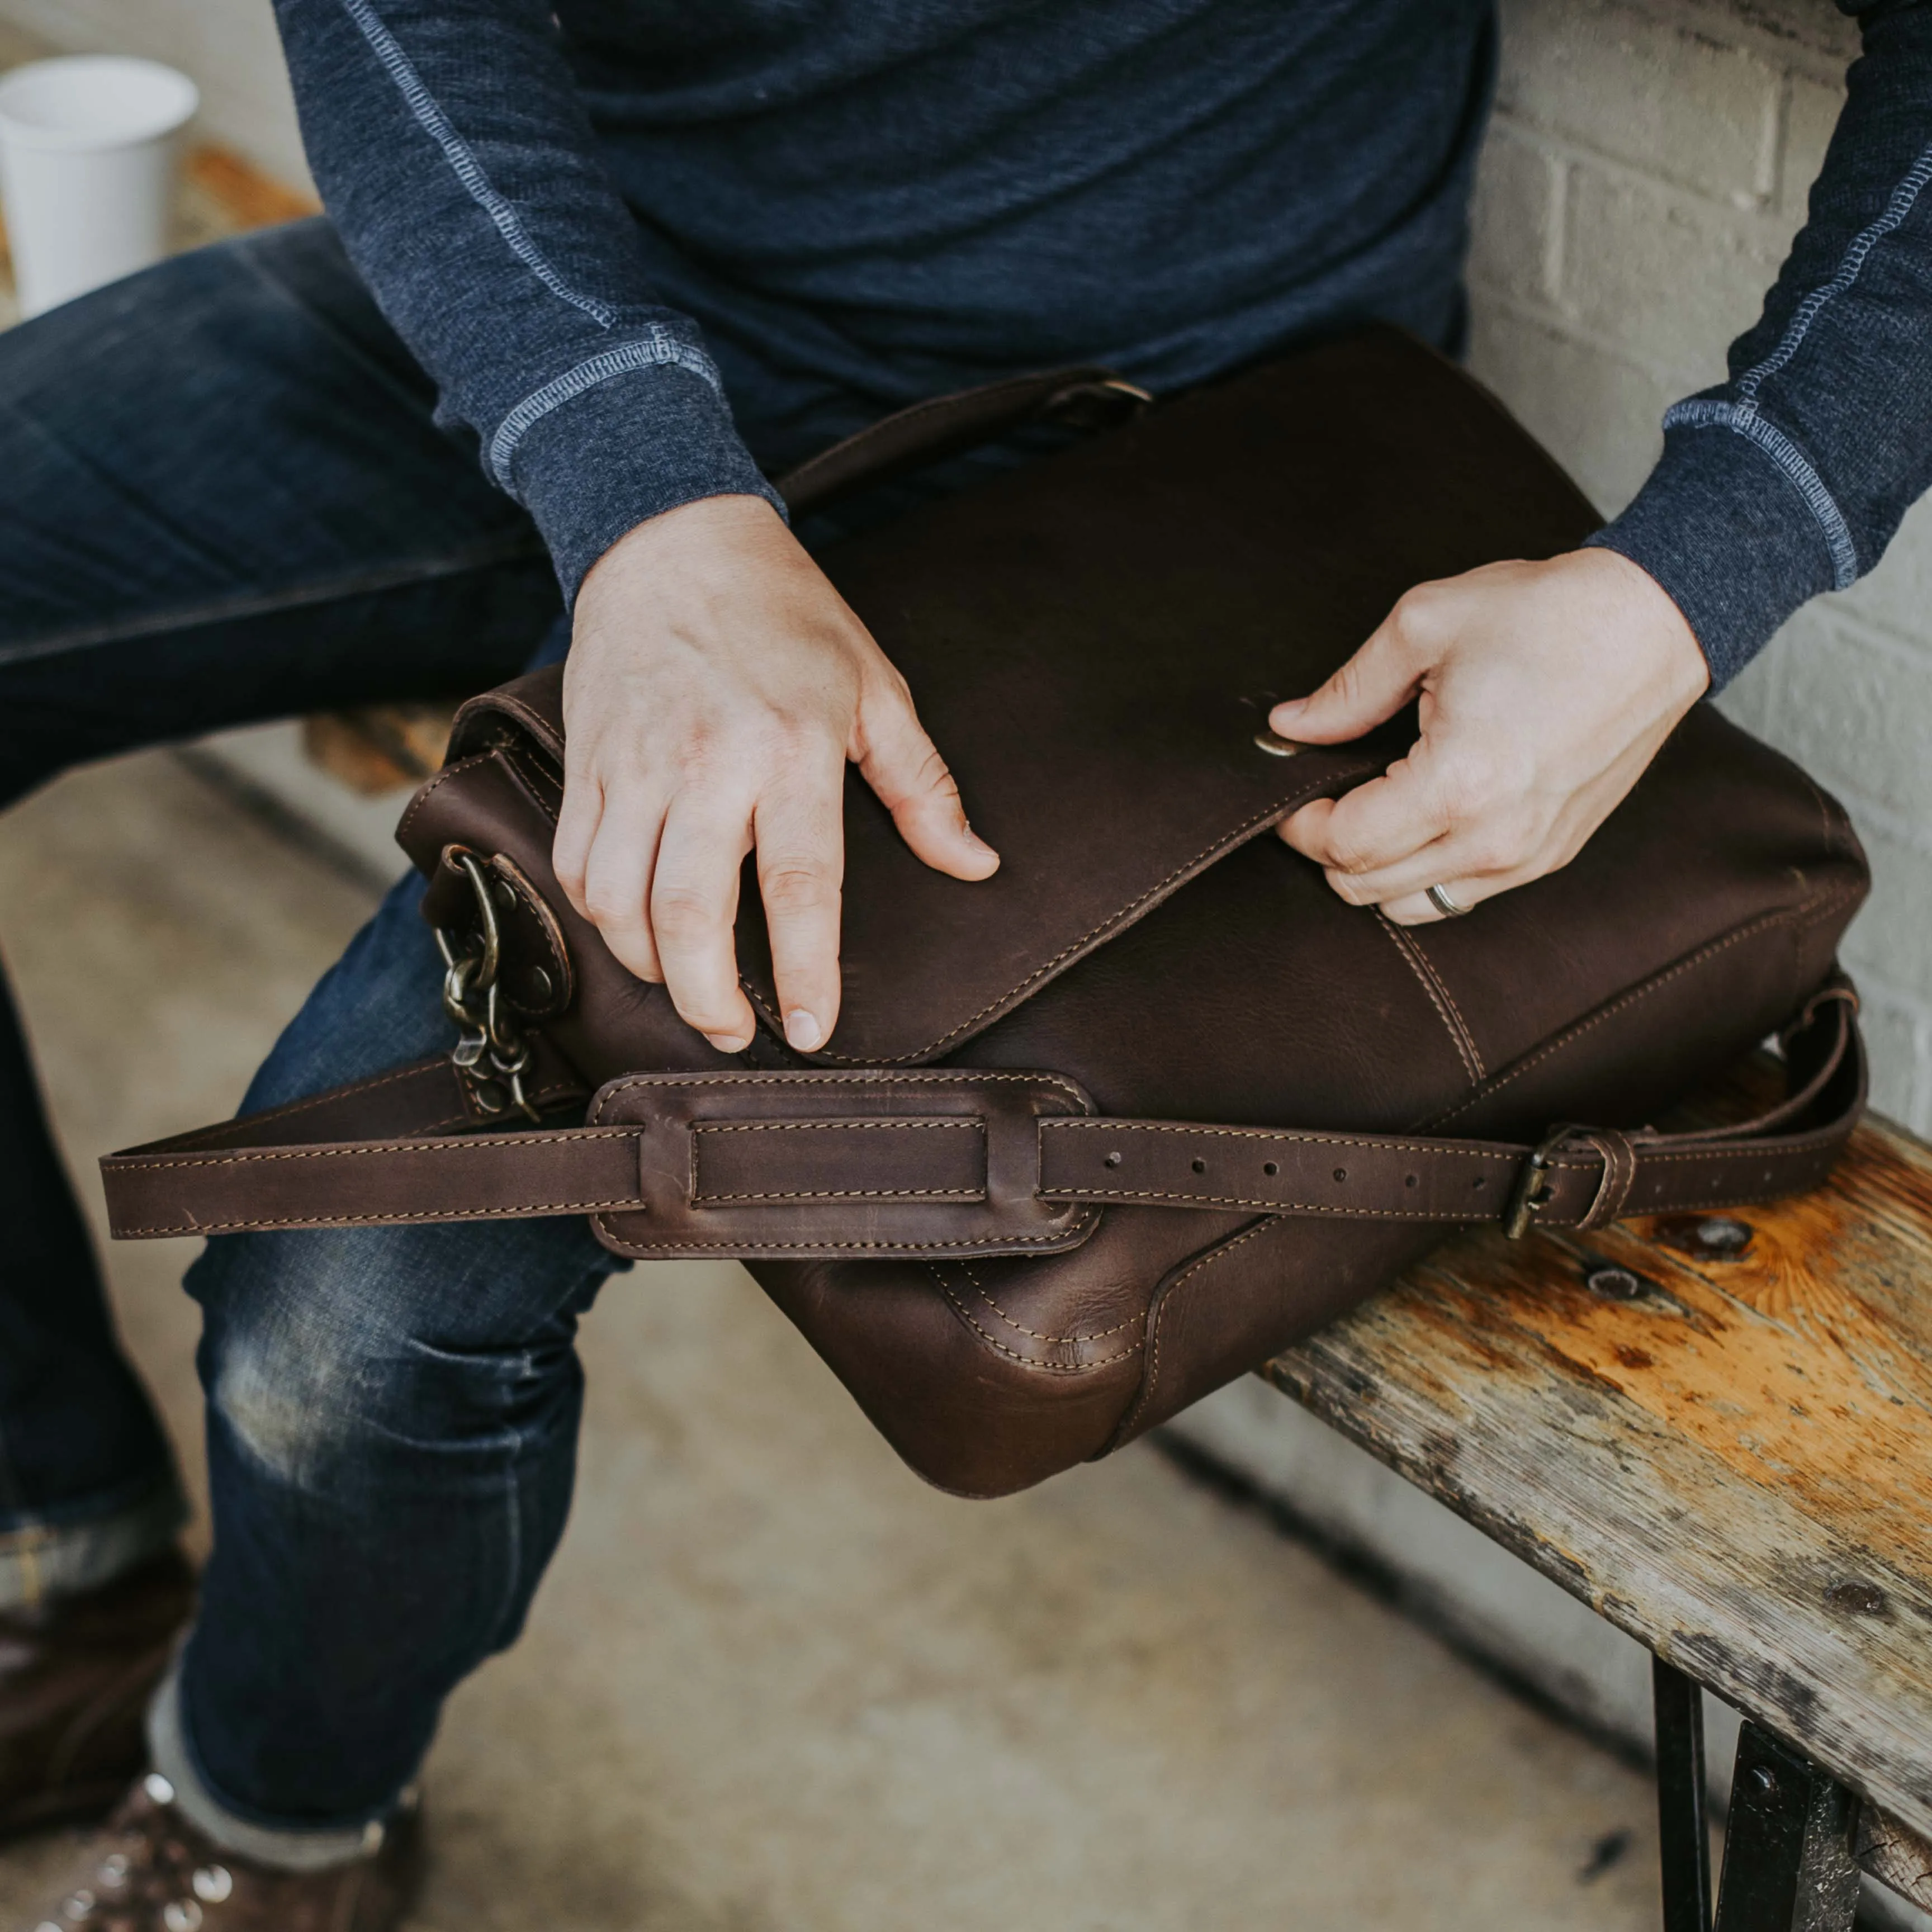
(938, 1160)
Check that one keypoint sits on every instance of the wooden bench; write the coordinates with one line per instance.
(1716, 1430)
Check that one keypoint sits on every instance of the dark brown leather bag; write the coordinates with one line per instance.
(988, 1205)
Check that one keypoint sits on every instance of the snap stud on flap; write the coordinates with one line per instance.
(1276, 746)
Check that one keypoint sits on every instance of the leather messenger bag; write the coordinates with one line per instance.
(1096, 1135)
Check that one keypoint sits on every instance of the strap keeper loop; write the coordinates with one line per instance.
(1619, 1153)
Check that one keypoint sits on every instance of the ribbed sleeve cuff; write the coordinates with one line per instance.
(1728, 536)
(599, 461)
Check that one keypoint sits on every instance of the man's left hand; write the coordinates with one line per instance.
(1545, 690)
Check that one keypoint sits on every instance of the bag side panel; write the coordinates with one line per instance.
(989, 1377)
(1232, 1305)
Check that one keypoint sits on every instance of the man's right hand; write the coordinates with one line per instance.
(716, 685)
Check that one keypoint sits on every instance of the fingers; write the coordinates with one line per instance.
(1417, 800)
(1368, 690)
(1499, 843)
(800, 836)
(1419, 909)
(693, 906)
(610, 884)
(661, 885)
(903, 766)
(1418, 832)
(1545, 688)
(577, 820)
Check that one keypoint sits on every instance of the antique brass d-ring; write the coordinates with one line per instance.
(491, 1055)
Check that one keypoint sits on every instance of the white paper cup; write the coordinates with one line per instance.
(87, 158)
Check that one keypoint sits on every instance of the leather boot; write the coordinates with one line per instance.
(149, 1870)
(76, 1675)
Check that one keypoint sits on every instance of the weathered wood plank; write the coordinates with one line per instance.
(1731, 1459)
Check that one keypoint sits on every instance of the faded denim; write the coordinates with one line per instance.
(224, 499)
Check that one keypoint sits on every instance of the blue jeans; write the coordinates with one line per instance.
(224, 499)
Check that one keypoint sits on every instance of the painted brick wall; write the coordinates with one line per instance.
(1648, 164)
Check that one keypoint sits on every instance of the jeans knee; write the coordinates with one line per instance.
(338, 1359)
(292, 1377)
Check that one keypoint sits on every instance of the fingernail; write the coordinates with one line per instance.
(973, 838)
(1289, 707)
(726, 1043)
(801, 1030)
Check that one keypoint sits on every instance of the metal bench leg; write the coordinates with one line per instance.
(1788, 1846)
(1683, 1837)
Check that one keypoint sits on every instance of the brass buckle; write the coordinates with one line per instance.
(1531, 1192)
(491, 1055)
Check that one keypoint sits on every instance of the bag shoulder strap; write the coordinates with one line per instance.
(929, 1159)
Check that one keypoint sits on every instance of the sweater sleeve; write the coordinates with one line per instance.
(460, 171)
(1790, 477)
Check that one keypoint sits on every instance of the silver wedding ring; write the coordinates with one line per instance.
(1438, 897)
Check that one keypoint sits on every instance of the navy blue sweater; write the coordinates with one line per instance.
(650, 250)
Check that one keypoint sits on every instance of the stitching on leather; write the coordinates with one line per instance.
(505, 705)
(421, 798)
(1290, 1136)
(803, 1127)
(700, 1128)
(469, 1144)
(536, 781)
(938, 1077)
(703, 1200)
(1278, 1208)
(1800, 914)
(1030, 1361)
(422, 1069)
(1440, 997)
(1114, 921)
(1743, 1150)
(517, 1213)
(736, 1250)
(1180, 1281)
(1099, 1335)
(560, 1089)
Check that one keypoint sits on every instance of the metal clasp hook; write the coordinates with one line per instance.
(491, 1055)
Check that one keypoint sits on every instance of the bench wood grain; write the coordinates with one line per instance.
(1729, 1458)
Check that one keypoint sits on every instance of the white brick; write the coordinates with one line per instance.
(1671, 278)
(1645, 91)
(1516, 218)
(1810, 113)
(1597, 415)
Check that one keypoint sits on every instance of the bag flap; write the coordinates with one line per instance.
(1093, 642)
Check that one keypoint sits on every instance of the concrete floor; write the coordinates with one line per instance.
(772, 1680)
